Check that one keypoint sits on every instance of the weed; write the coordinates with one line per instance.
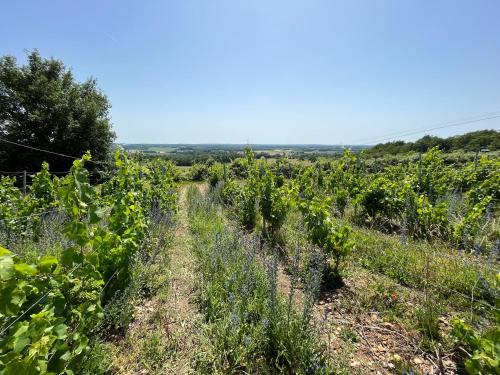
(99, 361)
(348, 334)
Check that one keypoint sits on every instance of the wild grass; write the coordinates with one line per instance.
(250, 327)
(418, 284)
(417, 264)
(148, 277)
(452, 275)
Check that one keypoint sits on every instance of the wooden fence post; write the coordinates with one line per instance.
(24, 182)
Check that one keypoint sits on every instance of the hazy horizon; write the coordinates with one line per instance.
(283, 144)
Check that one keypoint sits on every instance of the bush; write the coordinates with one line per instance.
(484, 351)
(216, 173)
(333, 238)
(198, 172)
(274, 204)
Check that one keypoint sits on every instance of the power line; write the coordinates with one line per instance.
(422, 130)
(38, 149)
(46, 151)
(12, 173)
(28, 172)
(397, 133)
(40, 300)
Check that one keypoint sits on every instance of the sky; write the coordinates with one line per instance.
(273, 71)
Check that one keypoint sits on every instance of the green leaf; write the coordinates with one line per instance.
(4, 251)
(11, 298)
(70, 256)
(48, 264)
(6, 267)
(20, 342)
(25, 269)
(95, 214)
(60, 331)
(82, 345)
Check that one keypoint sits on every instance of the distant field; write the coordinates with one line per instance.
(270, 149)
(162, 149)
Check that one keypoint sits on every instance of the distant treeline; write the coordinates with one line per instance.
(187, 159)
(473, 141)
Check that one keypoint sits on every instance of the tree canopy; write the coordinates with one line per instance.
(42, 106)
(473, 141)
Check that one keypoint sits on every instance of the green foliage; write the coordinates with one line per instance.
(332, 237)
(307, 182)
(433, 177)
(473, 141)
(198, 172)
(483, 347)
(377, 199)
(470, 225)
(243, 198)
(12, 206)
(98, 360)
(447, 273)
(239, 167)
(42, 189)
(57, 299)
(431, 221)
(249, 327)
(345, 178)
(216, 173)
(483, 181)
(50, 307)
(274, 203)
(160, 177)
(427, 321)
(43, 99)
(247, 204)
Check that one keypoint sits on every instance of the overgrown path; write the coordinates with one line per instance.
(182, 305)
(162, 336)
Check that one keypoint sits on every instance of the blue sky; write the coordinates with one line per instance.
(255, 71)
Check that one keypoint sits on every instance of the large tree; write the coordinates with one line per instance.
(42, 106)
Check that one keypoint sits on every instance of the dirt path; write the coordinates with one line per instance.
(182, 315)
(162, 337)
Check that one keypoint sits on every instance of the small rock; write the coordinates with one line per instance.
(396, 358)
(417, 361)
(354, 363)
(443, 321)
(448, 363)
